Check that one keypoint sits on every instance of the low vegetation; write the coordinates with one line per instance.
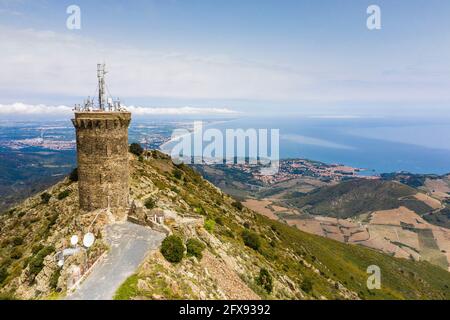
(136, 149)
(238, 205)
(265, 280)
(264, 258)
(194, 248)
(172, 249)
(251, 239)
(210, 225)
(63, 194)
(324, 268)
(3, 274)
(150, 203)
(128, 289)
(37, 262)
(178, 174)
(307, 285)
(53, 283)
(73, 176)
(45, 197)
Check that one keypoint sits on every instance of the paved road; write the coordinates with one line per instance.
(129, 246)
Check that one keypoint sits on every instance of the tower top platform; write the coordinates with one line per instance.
(101, 119)
(97, 114)
(105, 103)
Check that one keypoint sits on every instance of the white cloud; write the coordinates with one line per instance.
(45, 62)
(28, 109)
(40, 63)
(18, 109)
(180, 111)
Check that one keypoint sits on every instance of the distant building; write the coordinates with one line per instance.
(102, 152)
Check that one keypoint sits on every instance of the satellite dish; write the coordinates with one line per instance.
(74, 240)
(88, 239)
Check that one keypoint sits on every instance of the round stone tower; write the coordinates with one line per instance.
(102, 153)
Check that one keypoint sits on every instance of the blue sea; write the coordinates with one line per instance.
(377, 144)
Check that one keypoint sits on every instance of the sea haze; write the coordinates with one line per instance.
(378, 144)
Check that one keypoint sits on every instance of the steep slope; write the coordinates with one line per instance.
(293, 258)
(33, 232)
(239, 244)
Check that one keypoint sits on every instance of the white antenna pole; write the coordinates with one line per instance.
(105, 102)
(101, 71)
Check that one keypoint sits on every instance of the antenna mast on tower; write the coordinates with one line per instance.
(101, 71)
(105, 102)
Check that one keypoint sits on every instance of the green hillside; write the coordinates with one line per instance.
(354, 197)
(239, 247)
(294, 258)
(401, 279)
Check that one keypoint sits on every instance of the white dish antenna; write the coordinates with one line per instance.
(88, 239)
(74, 240)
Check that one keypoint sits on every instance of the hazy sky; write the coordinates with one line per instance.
(251, 56)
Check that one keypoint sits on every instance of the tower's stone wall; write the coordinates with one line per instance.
(102, 155)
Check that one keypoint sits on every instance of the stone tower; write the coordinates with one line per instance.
(102, 153)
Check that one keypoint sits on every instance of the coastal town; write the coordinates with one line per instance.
(40, 143)
(294, 168)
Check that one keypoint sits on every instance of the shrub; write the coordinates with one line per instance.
(228, 233)
(7, 296)
(53, 282)
(37, 262)
(307, 285)
(135, 148)
(45, 197)
(141, 159)
(209, 225)
(17, 241)
(238, 205)
(265, 280)
(3, 274)
(150, 203)
(16, 254)
(6, 262)
(199, 210)
(51, 221)
(63, 194)
(219, 221)
(251, 239)
(194, 248)
(73, 176)
(177, 173)
(36, 248)
(172, 249)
